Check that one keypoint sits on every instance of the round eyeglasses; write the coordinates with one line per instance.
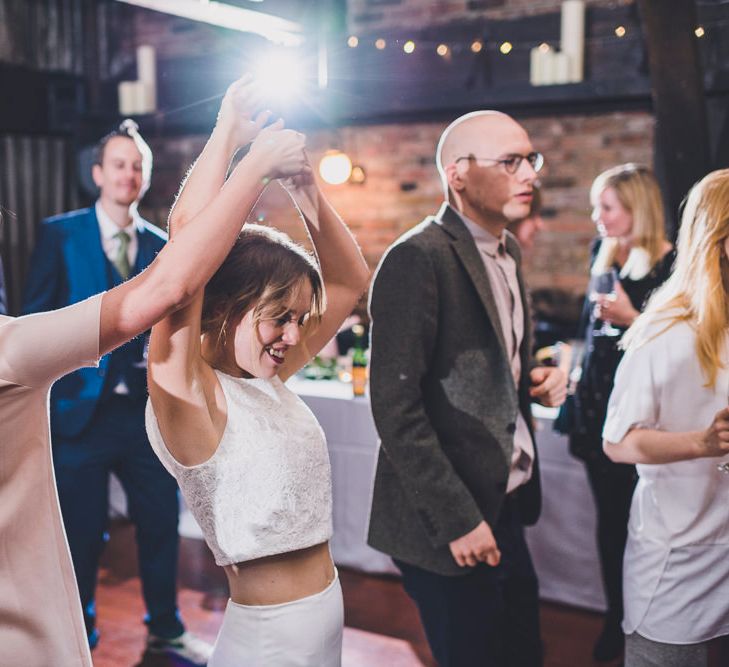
(511, 163)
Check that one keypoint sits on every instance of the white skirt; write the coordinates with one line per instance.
(302, 633)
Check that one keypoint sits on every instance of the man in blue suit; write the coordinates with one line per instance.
(97, 414)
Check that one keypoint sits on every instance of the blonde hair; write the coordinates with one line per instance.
(637, 191)
(696, 292)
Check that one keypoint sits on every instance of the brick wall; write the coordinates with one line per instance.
(402, 184)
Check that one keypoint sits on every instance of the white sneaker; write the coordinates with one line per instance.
(188, 646)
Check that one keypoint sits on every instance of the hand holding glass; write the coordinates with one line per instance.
(604, 284)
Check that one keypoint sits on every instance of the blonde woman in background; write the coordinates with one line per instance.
(668, 413)
(630, 259)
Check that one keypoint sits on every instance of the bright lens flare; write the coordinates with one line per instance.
(280, 76)
(335, 167)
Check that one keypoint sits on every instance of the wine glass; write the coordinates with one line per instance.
(604, 284)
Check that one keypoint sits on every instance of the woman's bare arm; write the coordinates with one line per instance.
(653, 446)
(344, 270)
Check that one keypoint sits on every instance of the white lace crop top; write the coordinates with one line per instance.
(267, 488)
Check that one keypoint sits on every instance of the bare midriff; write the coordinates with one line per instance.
(281, 578)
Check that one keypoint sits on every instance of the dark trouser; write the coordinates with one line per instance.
(488, 617)
(115, 441)
(612, 485)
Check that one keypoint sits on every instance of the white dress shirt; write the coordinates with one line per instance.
(676, 565)
(108, 229)
(501, 271)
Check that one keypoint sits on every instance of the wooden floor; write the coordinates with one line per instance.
(382, 627)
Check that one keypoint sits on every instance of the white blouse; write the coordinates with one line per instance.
(267, 488)
(676, 565)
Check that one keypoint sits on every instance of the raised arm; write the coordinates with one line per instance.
(344, 270)
(237, 125)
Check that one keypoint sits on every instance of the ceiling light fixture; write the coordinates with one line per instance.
(273, 28)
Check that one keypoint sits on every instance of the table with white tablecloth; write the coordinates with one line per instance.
(562, 543)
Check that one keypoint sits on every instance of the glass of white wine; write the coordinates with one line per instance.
(603, 284)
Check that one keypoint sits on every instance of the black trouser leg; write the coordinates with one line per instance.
(489, 617)
(612, 485)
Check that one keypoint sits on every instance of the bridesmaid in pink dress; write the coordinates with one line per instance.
(40, 615)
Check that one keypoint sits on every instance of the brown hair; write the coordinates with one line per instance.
(264, 270)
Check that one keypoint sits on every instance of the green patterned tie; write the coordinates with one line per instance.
(121, 262)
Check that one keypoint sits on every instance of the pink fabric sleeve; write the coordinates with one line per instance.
(37, 349)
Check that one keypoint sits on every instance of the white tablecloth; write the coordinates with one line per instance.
(562, 544)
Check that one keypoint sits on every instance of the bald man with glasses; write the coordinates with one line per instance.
(451, 386)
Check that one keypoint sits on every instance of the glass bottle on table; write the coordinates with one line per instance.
(359, 362)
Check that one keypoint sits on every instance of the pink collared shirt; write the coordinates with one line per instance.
(501, 271)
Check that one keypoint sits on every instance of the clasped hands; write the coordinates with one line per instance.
(242, 120)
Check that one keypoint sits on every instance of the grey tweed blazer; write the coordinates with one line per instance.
(442, 394)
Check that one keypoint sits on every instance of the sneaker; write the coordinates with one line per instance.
(188, 646)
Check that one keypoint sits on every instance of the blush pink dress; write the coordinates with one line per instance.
(40, 613)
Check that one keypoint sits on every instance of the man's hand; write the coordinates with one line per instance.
(304, 191)
(549, 385)
(280, 153)
(715, 440)
(240, 112)
(478, 546)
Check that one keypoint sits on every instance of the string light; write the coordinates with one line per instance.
(506, 47)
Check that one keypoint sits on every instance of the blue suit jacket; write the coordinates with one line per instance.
(69, 265)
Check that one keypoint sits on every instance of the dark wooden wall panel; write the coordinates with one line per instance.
(37, 179)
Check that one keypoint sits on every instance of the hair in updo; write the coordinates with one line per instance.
(264, 270)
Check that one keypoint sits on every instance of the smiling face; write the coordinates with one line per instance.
(484, 190)
(259, 351)
(119, 177)
(612, 218)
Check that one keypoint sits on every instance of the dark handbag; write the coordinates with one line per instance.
(566, 418)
